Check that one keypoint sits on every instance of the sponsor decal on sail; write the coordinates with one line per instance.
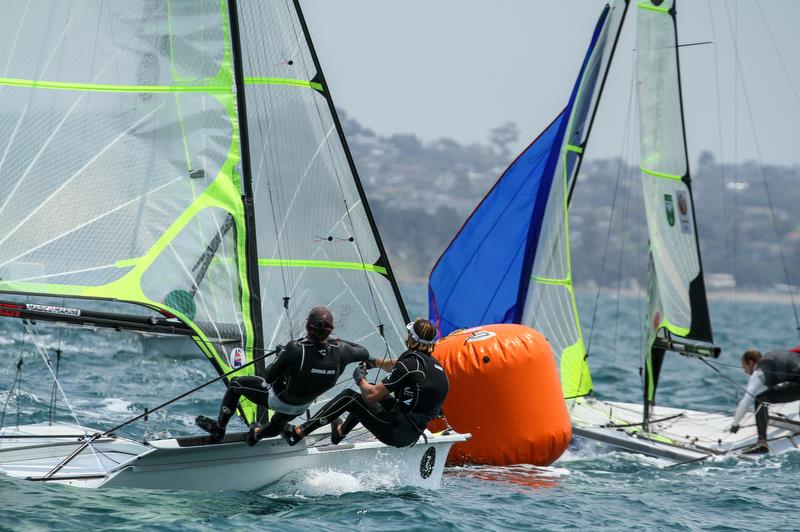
(53, 310)
(236, 357)
(683, 212)
(670, 209)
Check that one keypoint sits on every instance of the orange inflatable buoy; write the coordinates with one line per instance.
(504, 389)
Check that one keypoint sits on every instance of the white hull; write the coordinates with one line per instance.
(676, 435)
(195, 464)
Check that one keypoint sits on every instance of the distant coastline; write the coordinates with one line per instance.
(744, 296)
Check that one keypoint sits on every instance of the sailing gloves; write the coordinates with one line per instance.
(360, 373)
(734, 429)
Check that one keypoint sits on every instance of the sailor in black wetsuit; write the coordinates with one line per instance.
(419, 386)
(774, 378)
(302, 370)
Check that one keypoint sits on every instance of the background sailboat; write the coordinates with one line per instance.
(678, 314)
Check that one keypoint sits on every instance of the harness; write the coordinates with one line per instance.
(398, 407)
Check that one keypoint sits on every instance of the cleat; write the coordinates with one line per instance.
(211, 426)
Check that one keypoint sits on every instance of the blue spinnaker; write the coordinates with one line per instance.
(477, 280)
(483, 275)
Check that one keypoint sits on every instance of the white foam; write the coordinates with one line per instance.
(333, 482)
(329, 482)
(113, 404)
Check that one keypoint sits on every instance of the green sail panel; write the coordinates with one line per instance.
(119, 155)
(680, 305)
(550, 302)
(317, 244)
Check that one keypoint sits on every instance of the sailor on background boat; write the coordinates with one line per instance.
(774, 378)
(396, 410)
(302, 371)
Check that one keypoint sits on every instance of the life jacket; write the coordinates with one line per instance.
(318, 368)
(429, 396)
(780, 366)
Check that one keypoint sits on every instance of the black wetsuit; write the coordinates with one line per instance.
(419, 386)
(782, 378)
(301, 372)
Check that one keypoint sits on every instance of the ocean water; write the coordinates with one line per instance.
(591, 487)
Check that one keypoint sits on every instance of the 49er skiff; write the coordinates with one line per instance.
(185, 157)
(511, 262)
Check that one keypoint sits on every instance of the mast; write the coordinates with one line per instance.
(603, 79)
(320, 78)
(247, 181)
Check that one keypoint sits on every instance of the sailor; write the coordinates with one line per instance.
(302, 370)
(396, 410)
(774, 378)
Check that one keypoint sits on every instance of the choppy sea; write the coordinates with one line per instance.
(591, 487)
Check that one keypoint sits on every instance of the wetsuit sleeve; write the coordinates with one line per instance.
(754, 387)
(405, 372)
(286, 359)
(352, 352)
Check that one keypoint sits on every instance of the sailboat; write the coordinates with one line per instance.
(511, 263)
(185, 158)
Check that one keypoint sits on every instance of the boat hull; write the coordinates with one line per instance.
(677, 435)
(196, 464)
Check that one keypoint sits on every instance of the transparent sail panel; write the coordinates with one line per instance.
(316, 245)
(550, 303)
(668, 202)
(136, 42)
(118, 158)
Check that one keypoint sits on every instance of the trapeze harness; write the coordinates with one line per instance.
(419, 385)
(775, 379)
(301, 372)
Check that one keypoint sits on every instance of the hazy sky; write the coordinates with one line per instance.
(457, 68)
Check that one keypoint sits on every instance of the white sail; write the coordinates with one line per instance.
(118, 166)
(677, 304)
(317, 244)
(676, 264)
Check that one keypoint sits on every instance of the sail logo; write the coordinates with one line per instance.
(670, 208)
(236, 358)
(683, 211)
(53, 310)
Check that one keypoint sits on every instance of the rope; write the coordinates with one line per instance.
(764, 176)
(149, 411)
(625, 140)
(736, 384)
(13, 390)
(49, 363)
(51, 411)
(43, 353)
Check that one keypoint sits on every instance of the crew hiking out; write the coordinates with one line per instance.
(774, 378)
(302, 371)
(396, 410)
